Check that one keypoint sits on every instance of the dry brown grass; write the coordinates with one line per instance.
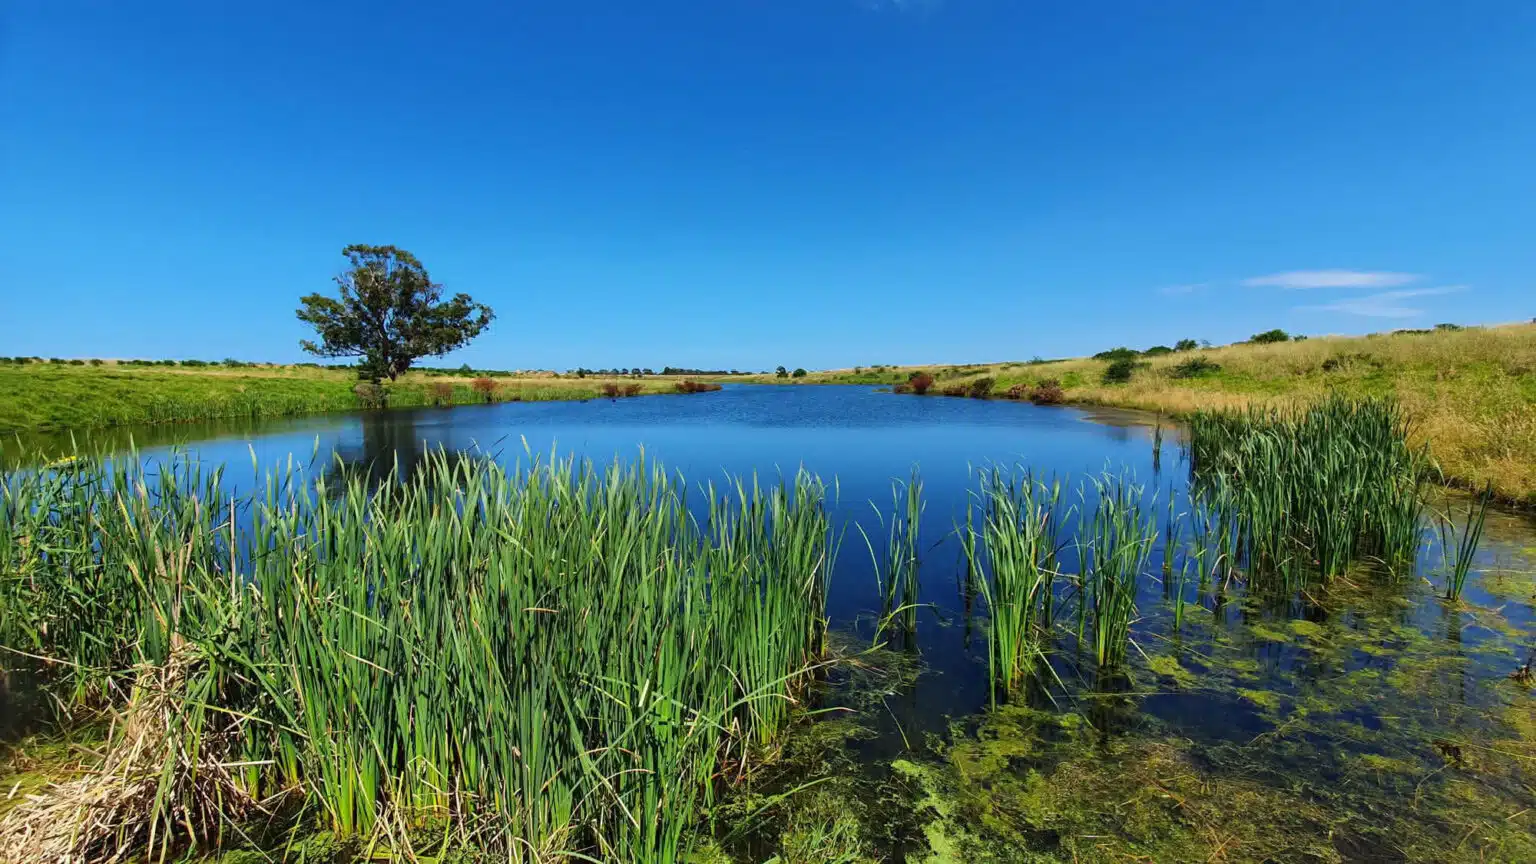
(164, 783)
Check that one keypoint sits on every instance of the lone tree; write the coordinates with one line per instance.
(390, 314)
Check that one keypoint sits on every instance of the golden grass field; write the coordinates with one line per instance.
(1471, 392)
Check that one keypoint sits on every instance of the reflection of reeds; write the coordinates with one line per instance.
(559, 660)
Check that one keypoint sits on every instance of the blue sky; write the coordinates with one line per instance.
(733, 183)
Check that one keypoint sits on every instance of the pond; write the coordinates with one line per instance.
(1363, 721)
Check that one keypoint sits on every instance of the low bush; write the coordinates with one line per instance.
(691, 386)
(1196, 367)
(440, 393)
(1047, 392)
(798, 373)
(631, 389)
(1115, 354)
(955, 390)
(371, 395)
(486, 387)
(981, 388)
(920, 382)
(1269, 337)
(610, 389)
(1119, 371)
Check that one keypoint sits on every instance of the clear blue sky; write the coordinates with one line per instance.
(747, 183)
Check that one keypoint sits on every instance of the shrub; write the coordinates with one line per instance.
(1119, 371)
(57, 361)
(95, 361)
(631, 389)
(371, 395)
(485, 387)
(441, 392)
(798, 373)
(194, 363)
(981, 388)
(77, 362)
(1269, 337)
(691, 386)
(1448, 327)
(955, 390)
(920, 382)
(1114, 354)
(610, 389)
(1157, 351)
(1196, 367)
(1047, 392)
(1185, 345)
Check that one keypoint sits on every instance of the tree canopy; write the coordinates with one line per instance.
(390, 314)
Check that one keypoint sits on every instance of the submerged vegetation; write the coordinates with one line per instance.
(550, 663)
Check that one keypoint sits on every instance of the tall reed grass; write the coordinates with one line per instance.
(1316, 489)
(557, 662)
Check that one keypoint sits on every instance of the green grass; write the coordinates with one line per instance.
(556, 660)
(56, 397)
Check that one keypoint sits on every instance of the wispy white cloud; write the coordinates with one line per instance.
(1331, 279)
(1181, 290)
(1384, 304)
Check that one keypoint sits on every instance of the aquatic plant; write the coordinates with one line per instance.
(1314, 489)
(557, 661)
(1459, 557)
(1114, 543)
(1016, 563)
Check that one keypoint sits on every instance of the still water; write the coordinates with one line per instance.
(1365, 721)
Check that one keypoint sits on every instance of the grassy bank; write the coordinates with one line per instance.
(560, 663)
(1471, 393)
(58, 396)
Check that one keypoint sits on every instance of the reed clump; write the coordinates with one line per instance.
(547, 662)
(1315, 489)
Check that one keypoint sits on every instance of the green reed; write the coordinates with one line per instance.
(1315, 489)
(1459, 555)
(1114, 544)
(898, 576)
(551, 661)
(1016, 561)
